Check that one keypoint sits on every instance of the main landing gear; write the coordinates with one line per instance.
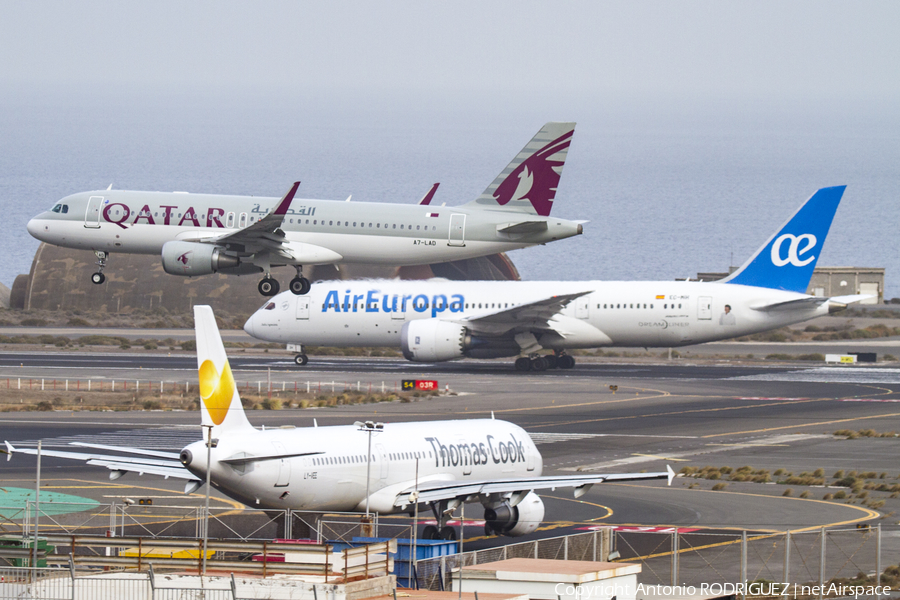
(98, 277)
(538, 362)
(299, 285)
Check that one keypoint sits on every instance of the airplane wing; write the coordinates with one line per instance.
(530, 316)
(265, 234)
(151, 462)
(812, 302)
(437, 491)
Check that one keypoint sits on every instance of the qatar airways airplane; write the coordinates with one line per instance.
(438, 320)
(201, 234)
(380, 467)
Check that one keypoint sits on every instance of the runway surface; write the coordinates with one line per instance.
(667, 413)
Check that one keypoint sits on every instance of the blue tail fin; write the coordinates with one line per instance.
(787, 259)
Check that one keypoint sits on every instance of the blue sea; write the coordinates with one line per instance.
(669, 191)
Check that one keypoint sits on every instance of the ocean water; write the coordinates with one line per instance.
(668, 192)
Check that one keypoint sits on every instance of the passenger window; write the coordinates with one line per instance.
(418, 227)
(370, 224)
(395, 226)
(330, 222)
(401, 227)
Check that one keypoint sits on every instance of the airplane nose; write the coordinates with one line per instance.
(34, 228)
(250, 325)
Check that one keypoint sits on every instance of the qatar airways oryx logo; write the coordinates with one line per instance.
(797, 246)
(537, 177)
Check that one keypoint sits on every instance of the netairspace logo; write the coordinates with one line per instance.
(787, 590)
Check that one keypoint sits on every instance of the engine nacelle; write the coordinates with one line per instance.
(192, 258)
(433, 340)
(517, 520)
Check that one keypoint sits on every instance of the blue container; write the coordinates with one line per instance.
(402, 561)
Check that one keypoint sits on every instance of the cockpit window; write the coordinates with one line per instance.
(270, 306)
(65, 208)
(56, 208)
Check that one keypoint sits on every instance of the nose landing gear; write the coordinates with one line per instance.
(98, 277)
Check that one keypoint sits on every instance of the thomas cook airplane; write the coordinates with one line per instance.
(201, 234)
(440, 320)
(386, 468)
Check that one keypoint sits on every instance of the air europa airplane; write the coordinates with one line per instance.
(386, 468)
(444, 320)
(201, 234)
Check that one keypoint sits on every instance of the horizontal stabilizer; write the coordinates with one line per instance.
(811, 302)
(523, 227)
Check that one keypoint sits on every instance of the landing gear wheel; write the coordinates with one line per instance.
(300, 286)
(523, 364)
(430, 533)
(539, 364)
(301, 360)
(566, 362)
(268, 286)
(448, 533)
(488, 531)
(552, 361)
(98, 278)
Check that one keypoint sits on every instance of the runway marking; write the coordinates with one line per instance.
(663, 457)
(869, 514)
(539, 437)
(689, 454)
(747, 445)
(677, 412)
(814, 424)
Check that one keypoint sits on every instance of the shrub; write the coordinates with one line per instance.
(189, 345)
(43, 405)
(840, 495)
(719, 486)
(788, 492)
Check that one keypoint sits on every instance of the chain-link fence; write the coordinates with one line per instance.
(809, 558)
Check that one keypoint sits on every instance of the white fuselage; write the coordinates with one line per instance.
(335, 479)
(360, 232)
(613, 313)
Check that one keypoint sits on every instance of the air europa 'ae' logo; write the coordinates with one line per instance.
(798, 246)
(216, 390)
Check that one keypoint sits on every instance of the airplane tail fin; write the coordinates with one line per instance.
(528, 183)
(220, 403)
(787, 259)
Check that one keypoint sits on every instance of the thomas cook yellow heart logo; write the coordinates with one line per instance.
(216, 391)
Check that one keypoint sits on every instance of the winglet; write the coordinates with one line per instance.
(426, 199)
(9, 450)
(671, 474)
(285, 203)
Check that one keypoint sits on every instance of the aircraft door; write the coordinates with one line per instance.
(243, 221)
(457, 230)
(92, 214)
(582, 308)
(302, 307)
(529, 457)
(704, 308)
(383, 459)
(284, 468)
(229, 221)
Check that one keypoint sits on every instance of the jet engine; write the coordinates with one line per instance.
(192, 258)
(433, 340)
(521, 519)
